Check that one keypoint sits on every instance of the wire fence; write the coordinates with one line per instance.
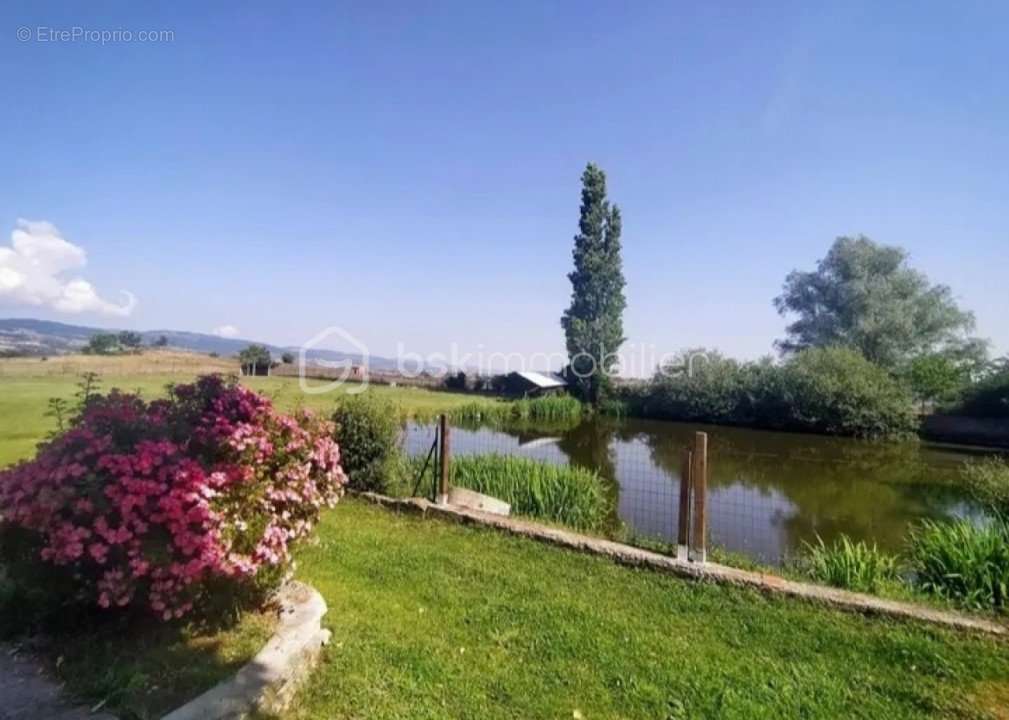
(645, 480)
(768, 494)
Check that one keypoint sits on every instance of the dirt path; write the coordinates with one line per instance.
(27, 694)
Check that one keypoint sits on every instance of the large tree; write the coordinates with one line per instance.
(593, 324)
(864, 295)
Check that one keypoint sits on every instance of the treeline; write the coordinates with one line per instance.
(825, 390)
(832, 390)
(121, 343)
(989, 397)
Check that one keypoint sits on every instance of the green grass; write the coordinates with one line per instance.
(437, 620)
(850, 565)
(23, 400)
(988, 481)
(563, 494)
(144, 669)
(552, 408)
(962, 562)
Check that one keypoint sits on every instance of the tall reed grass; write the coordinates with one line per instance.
(963, 562)
(551, 408)
(563, 494)
(988, 481)
(850, 565)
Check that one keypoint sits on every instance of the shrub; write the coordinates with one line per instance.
(167, 504)
(699, 386)
(988, 481)
(367, 429)
(850, 565)
(837, 391)
(826, 390)
(563, 494)
(963, 562)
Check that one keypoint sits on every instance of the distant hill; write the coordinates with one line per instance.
(26, 336)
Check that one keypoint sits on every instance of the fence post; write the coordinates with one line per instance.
(683, 527)
(699, 481)
(445, 458)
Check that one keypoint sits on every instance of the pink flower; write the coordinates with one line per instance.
(152, 500)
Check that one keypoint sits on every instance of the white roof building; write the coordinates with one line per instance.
(544, 381)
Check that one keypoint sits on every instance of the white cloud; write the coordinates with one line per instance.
(226, 331)
(33, 272)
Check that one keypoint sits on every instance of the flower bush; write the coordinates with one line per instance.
(158, 502)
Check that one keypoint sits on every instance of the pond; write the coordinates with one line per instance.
(769, 492)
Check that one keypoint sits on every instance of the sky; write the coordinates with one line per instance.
(409, 172)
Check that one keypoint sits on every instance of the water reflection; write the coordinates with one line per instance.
(768, 492)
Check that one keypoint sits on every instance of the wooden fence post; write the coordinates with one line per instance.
(445, 458)
(683, 528)
(699, 481)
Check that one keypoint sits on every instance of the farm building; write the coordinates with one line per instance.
(532, 384)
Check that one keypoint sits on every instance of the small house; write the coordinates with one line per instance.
(533, 384)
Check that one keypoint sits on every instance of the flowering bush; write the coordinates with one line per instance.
(156, 502)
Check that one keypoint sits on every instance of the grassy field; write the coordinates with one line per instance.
(436, 620)
(26, 384)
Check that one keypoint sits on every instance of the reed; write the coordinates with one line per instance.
(552, 408)
(963, 562)
(988, 481)
(563, 494)
(855, 566)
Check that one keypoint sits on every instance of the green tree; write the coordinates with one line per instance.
(103, 344)
(287, 358)
(162, 341)
(593, 324)
(863, 295)
(935, 377)
(989, 397)
(130, 340)
(253, 358)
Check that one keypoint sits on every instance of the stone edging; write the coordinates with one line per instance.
(629, 555)
(268, 682)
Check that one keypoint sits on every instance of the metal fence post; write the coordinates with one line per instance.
(445, 458)
(683, 527)
(699, 481)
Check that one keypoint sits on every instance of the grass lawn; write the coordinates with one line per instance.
(141, 670)
(436, 620)
(26, 386)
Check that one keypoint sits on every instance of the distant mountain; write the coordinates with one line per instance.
(26, 336)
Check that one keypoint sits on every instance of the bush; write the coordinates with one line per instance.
(563, 494)
(826, 390)
(174, 503)
(963, 562)
(850, 565)
(839, 392)
(367, 429)
(701, 387)
(988, 481)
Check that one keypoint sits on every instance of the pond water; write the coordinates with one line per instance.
(769, 492)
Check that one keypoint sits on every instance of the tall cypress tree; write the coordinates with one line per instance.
(593, 325)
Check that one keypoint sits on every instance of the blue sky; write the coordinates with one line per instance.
(409, 171)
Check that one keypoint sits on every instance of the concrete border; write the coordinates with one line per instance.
(712, 572)
(268, 682)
